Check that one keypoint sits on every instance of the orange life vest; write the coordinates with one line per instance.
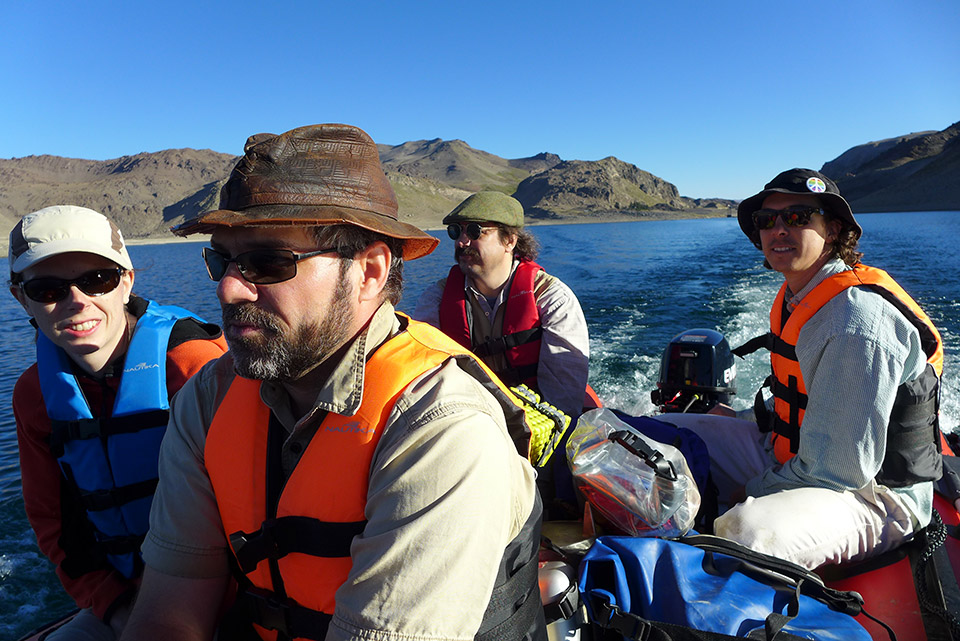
(913, 438)
(302, 553)
(520, 340)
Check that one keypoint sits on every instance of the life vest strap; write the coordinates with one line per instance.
(499, 345)
(105, 499)
(768, 341)
(286, 616)
(62, 432)
(279, 537)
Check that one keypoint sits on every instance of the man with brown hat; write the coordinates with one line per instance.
(361, 473)
(842, 466)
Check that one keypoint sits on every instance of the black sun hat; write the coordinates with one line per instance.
(798, 181)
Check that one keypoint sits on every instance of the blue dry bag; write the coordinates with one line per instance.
(688, 588)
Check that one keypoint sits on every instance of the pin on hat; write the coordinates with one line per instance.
(61, 229)
(326, 174)
(801, 182)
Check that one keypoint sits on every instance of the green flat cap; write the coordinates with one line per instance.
(491, 206)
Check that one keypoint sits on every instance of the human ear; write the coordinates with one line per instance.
(17, 293)
(374, 265)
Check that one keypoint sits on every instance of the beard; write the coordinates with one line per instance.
(282, 354)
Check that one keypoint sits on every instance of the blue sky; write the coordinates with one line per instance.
(714, 97)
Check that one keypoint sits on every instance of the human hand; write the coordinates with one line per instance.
(722, 410)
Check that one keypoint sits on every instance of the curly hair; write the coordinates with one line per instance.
(527, 248)
(350, 239)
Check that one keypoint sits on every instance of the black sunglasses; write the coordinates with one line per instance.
(48, 289)
(474, 230)
(260, 266)
(791, 217)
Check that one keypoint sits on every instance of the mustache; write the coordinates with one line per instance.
(464, 251)
(249, 314)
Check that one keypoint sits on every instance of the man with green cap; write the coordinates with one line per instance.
(524, 323)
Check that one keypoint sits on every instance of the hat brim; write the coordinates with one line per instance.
(833, 204)
(52, 248)
(416, 243)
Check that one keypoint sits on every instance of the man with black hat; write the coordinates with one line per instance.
(852, 441)
(496, 301)
(362, 474)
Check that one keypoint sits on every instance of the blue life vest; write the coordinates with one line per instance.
(112, 460)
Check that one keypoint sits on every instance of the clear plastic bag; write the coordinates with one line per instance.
(642, 486)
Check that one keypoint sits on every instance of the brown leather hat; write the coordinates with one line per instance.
(316, 175)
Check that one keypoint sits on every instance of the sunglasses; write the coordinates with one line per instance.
(791, 217)
(48, 289)
(474, 230)
(260, 266)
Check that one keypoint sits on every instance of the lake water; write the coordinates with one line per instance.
(639, 284)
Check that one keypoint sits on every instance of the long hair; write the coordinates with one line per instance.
(350, 239)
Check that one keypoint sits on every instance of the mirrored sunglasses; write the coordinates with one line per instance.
(260, 266)
(791, 217)
(474, 230)
(48, 289)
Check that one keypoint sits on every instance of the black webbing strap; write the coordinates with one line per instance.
(62, 432)
(764, 341)
(499, 345)
(98, 500)
(288, 618)
(281, 536)
(522, 585)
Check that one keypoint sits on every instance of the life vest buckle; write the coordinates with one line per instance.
(251, 548)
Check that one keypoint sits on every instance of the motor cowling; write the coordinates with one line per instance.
(697, 371)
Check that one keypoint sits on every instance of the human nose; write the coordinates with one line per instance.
(779, 227)
(234, 288)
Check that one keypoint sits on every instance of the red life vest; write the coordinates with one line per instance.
(297, 558)
(913, 435)
(520, 339)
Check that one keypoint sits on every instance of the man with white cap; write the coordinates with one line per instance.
(361, 475)
(91, 412)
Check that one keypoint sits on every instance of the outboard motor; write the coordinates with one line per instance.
(696, 373)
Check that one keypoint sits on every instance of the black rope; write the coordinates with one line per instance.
(936, 535)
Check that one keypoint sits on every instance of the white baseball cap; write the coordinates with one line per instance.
(61, 229)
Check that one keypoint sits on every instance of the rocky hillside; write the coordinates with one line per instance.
(148, 192)
(144, 194)
(916, 172)
(577, 187)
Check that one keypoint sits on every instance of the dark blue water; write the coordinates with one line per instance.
(639, 285)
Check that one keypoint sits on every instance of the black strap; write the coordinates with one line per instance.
(278, 537)
(105, 499)
(807, 582)
(499, 345)
(522, 585)
(764, 341)
(288, 618)
(634, 627)
(61, 432)
(639, 448)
